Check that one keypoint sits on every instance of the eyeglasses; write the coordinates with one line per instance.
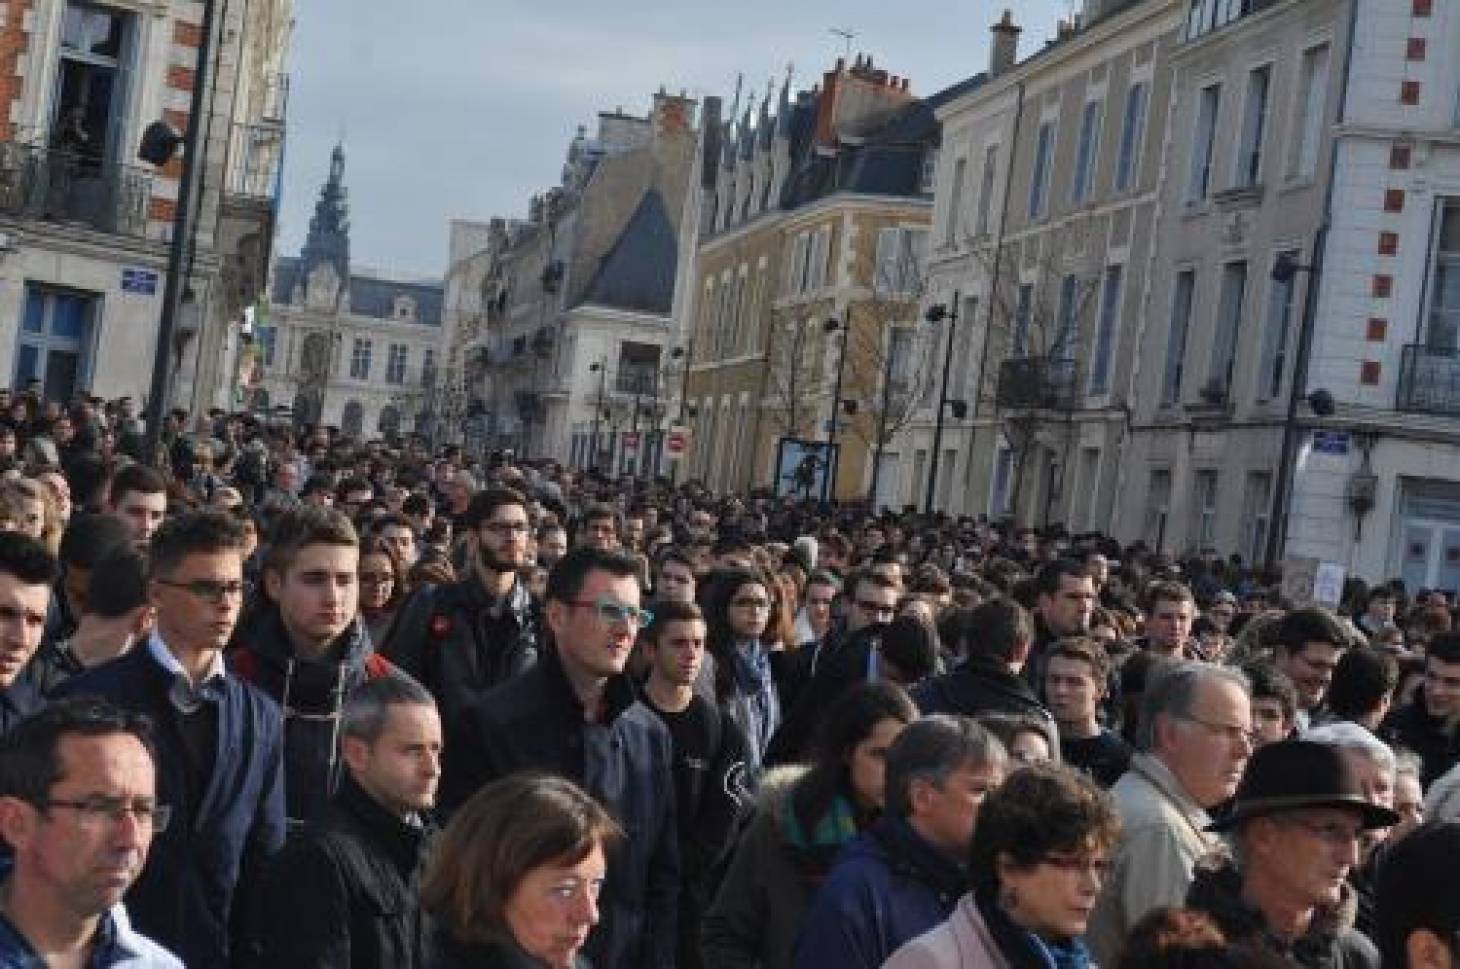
(507, 528)
(757, 604)
(1233, 732)
(875, 608)
(98, 812)
(1077, 863)
(207, 589)
(613, 613)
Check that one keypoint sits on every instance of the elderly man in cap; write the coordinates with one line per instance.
(1419, 909)
(1295, 827)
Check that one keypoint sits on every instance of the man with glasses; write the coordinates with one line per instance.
(576, 713)
(1296, 824)
(219, 746)
(1194, 738)
(78, 811)
(463, 639)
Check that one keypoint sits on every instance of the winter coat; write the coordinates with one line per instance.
(537, 722)
(199, 891)
(887, 887)
(453, 954)
(311, 695)
(772, 875)
(1163, 834)
(447, 637)
(841, 664)
(1331, 942)
(983, 685)
(962, 942)
(345, 892)
(1436, 743)
(19, 701)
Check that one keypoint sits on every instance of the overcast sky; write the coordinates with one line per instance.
(464, 108)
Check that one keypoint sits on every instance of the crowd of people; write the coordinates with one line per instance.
(281, 698)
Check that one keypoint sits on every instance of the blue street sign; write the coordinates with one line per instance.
(1330, 442)
(143, 282)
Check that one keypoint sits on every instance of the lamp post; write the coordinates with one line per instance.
(935, 315)
(157, 147)
(686, 353)
(601, 368)
(828, 483)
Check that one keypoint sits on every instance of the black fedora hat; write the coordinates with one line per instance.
(1293, 775)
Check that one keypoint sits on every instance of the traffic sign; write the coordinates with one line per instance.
(676, 441)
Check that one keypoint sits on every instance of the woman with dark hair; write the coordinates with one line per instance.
(513, 881)
(383, 587)
(804, 817)
(737, 603)
(1035, 867)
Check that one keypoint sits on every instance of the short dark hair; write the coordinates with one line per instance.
(600, 510)
(118, 583)
(89, 537)
(930, 749)
(911, 645)
(1047, 581)
(30, 762)
(1267, 682)
(484, 504)
(136, 477)
(415, 505)
(192, 533)
(1038, 811)
(1086, 649)
(566, 579)
(1361, 681)
(668, 611)
(366, 711)
(299, 528)
(26, 559)
(1310, 625)
(999, 628)
(674, 553)
(1444, 647)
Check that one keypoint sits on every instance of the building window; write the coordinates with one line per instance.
(1443, 329)
(1003, 484)
(268, 338)
(1110, 296)
(1203, 142)
(1023, 311)
(955, 201)
(428, 367)
(930, 172)
(1087, 151)
(1254, 127)
(900, 357)
(1158, 507)
(900, 257)
(1204, 509)
(1132, 135)
(1280, 297)
(1181, 301)
(55, 341)
(818, 252)
(1256, 512)
(90, 111)
(1043, 163)
(360, 359)
(1229, 325)
(405, 308)
(986, 189)
(796, 266)
(1308, 125)
(395, 364)
(1068, 319)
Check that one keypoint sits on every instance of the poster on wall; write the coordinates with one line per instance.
(801, 467)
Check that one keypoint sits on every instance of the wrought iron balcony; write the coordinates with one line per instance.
(637, 382)
(1429, 380)
(1036, 382)
(37, 182)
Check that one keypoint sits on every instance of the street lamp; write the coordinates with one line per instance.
(599, 367)
(828, 483)
(935, 315)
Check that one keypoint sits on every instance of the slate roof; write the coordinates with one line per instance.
(369, 295)
(638, 271)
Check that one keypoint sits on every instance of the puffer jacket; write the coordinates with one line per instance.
(772, 875)
(1331, 942)
(311, 695)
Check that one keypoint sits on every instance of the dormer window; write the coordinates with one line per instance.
(405, 309)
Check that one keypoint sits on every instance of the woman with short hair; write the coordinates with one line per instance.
(1035, 867)
(514, 879)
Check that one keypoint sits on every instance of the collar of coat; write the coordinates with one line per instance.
(1216, 889)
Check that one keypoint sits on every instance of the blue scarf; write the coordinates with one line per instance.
(1026, 950)
(755, 707)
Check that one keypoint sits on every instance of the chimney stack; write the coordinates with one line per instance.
(1004, 50)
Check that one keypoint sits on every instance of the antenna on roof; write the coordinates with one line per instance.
(846, 34)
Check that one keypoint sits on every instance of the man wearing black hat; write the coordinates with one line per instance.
(1419, 909)
(1295, 827)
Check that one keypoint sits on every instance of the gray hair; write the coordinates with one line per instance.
(1172, 691)
(369, 706)
(1407, 762)
(930, 749)
(1347, 735)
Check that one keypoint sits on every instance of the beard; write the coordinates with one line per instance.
(490, 561)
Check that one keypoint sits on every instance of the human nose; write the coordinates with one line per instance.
(586, 909)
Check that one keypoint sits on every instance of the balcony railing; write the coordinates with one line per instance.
(255, 156)
(641, 382)
(1036, 382)
(37, 182)
(1429, 380)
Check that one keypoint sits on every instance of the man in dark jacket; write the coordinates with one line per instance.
(1063, 605)
(27, 572)
(464, 639)
(219, 747)
(989, 681)
(306, 647)
(1427, 724)
(905, 875)
(576, 714)
(345, 893)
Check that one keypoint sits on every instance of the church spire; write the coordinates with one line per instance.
(329, 229)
